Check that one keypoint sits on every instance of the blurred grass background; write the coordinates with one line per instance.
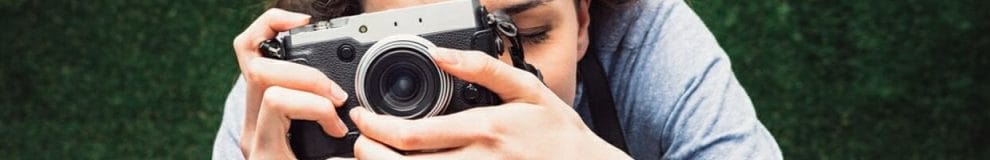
(839, 79)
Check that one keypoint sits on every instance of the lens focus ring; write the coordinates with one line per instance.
(397, 76)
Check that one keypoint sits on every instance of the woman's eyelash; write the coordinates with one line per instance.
(534, 38)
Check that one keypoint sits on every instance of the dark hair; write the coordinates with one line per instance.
(329, 9)
(319, 9)
(612, 4)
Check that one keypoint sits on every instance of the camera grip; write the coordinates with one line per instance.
(303, 134)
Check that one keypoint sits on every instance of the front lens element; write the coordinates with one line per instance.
(398, 77)
(403, 82)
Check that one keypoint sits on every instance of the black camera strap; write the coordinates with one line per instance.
(599, 98)
(597, 94)
(503, 25)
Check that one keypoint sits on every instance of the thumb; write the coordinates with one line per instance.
(510, 83)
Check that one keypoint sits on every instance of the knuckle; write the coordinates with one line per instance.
(491, 67)
(318, 81)
(314, 76)
(530, 81)
(331, 119)
(243, 42)
(327, 112)
(406, 139)
(238, 40)
(271, 12)
(271, 97)
(409, 143)
(489, 132)
(535, 89)
(251, 72)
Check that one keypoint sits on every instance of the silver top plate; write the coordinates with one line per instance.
(371, 27)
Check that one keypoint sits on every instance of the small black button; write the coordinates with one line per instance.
(471, 94)
(345, 52)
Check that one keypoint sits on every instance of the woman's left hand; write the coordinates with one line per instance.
(533, 123)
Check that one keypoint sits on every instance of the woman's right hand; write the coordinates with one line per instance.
(279, 91)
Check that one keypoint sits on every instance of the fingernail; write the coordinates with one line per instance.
(355, 113)
(340, 94)
(342, 127)
(445, 56)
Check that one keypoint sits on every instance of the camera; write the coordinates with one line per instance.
(383, 58)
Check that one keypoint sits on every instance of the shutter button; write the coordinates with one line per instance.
(345, 52)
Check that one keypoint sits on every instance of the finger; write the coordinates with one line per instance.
(245, 47)
(289, 104)
(270, 143)
(270, 72)
(510, 83)
(439, 132)
(265, 27)
(365, 148)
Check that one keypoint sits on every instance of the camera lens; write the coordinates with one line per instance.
(402, 85)
(397, 77)
(402, 82)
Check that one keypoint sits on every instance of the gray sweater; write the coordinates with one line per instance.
(676, 94)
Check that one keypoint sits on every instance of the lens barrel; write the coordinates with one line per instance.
(398, 77)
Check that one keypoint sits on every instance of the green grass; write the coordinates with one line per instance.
(115, 79)
(854, 79)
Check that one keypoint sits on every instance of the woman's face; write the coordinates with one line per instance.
(553, 32)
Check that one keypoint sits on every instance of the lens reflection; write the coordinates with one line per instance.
(396, 76)
(404, 85)
(404, 82)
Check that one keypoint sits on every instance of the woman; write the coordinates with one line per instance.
(674, 90)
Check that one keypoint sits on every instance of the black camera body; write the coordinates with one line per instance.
(382, 59)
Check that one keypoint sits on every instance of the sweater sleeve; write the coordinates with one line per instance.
(227, 143)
